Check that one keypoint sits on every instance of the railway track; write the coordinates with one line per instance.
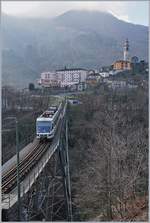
(9, 180)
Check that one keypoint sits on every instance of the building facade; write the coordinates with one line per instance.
(122, 65)
(49, 79)
(69, 77)
(63, 78)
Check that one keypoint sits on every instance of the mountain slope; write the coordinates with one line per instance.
(75, 38)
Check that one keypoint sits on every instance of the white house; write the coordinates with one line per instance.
(49, 79)
(71, 76)
(63, 78)
(104, 74)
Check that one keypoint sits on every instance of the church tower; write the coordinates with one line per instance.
(126, 50)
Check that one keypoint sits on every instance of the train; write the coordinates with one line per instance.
(47, 123)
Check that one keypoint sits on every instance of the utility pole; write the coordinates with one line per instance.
(67, 159)
(18, 174)
(68, 172)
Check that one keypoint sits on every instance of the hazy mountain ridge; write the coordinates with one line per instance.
(75, 38)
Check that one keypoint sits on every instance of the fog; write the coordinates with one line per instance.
(121, 9)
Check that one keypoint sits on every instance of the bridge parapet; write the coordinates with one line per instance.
(60, 151)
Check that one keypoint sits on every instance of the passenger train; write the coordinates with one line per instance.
(47, 123)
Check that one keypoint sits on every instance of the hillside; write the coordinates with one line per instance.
(75, 38)
(108, 151)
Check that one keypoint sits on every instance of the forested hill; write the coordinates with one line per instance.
(76, 38)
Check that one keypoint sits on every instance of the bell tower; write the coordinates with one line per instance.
(126, 50)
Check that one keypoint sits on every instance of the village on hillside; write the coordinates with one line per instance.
(78, 79)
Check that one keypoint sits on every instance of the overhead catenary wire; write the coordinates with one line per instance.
(20, 119)
(25, 116)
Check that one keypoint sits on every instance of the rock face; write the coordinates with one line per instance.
(74, 39)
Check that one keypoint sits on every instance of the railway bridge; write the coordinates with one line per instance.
(42, 191)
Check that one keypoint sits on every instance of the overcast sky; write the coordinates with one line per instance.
(131, 11)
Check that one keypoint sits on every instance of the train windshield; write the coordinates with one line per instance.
(43, 126)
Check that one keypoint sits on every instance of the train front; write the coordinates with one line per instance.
(44, 128)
